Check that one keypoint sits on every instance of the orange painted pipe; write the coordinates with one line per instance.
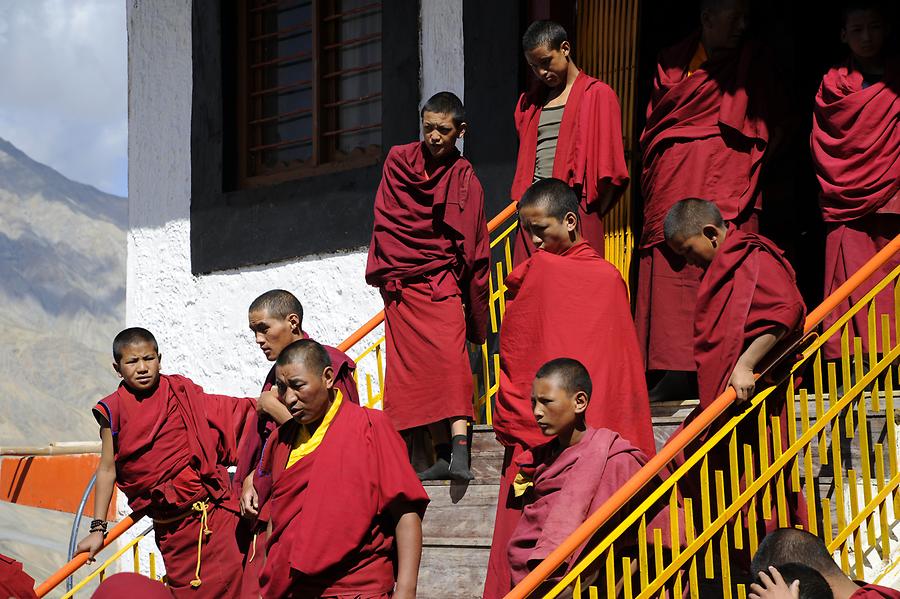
(677, 444)
(80, 559)
(376, 320)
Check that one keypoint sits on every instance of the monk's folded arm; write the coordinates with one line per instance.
(742, 377)
(409, 551)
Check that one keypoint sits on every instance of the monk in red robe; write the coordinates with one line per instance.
(14, 582)
(790, 581)
(705, 136)
(747, 302)
(276, 320)
(856, 149)
(429, 256)
(166, 444)
(131, 584)
(347, 506)
(570, 128)
(563, 301)
(789, 545)
(562, 482)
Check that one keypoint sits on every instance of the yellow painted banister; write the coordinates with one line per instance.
(677, 444)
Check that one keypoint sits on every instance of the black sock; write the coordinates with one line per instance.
(459, 465)
(442, 452)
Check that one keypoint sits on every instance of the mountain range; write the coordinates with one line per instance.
(62, 299)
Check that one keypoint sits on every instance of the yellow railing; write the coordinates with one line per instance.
(99, 572)
(838, 461)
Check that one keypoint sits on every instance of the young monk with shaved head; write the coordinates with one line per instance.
(563, 301)
(798, 546)
(856, 150)
(747, 302)
(346, 505)
(166, 446)
(276, 321)
(429, 257)
(707, 131)
(570, 128)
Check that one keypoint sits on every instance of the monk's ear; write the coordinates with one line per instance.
(565, 48)
(571, 221)
(117, 369)
(581, 402)
(328, 377)
(712, 233)
(462, 128)
(294, 319)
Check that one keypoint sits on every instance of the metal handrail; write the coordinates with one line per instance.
(677, 444)
(76, 524)
(62, 448)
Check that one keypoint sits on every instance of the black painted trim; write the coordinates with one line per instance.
(491, 34)
(327, 213)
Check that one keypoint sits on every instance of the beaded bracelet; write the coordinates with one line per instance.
(98, 526)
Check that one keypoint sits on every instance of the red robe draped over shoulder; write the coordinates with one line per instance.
(251, 533)
(748, 290)
(590, 156)
(570, 305)
(705, 137)
(873, 591)
(14, 582)
(171, 450)
(429, 255)
(332, 529)
(855, 146)
(569, 486)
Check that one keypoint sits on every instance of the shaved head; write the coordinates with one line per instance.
(555, 197)
(791, 545)
(688, 217)
(132, 336)
(306, 352)
(569, 373)
(544, 33)
(278, 303)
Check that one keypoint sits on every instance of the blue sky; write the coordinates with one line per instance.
(63, 87)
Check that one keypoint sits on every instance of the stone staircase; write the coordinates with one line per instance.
(460, 519)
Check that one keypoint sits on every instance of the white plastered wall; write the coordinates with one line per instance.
(201, 322)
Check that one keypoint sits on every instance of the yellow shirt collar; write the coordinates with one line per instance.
(304, 443)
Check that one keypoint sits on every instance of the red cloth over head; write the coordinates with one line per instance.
(589, 153)
(132, 585)
(346, 491)
(873, 591)
(14, 582)
(571, 305)
(747, 290)
(173, 447)
(855, 143)
(705, 135)
(569, 485)
(431, 227)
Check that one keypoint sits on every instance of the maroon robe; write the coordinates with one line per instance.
(705, 137)
(747, 290)
(171, 450)
(873, 591)
(855, 146)
(131, 584)
(251, 533)
(569, 486)
(14, 582)
(430, 255)
(332, 529)
(589, 157)
(570, 305)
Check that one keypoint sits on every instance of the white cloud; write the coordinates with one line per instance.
(63, 86)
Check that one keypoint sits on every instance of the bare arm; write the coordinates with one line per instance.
(742, 378)
(271, 406)
(103, 491)
(409, 553)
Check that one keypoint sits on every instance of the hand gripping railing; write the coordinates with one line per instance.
(783, 470)
(373, 397)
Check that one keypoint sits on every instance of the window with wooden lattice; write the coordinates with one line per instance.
(309, 88)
